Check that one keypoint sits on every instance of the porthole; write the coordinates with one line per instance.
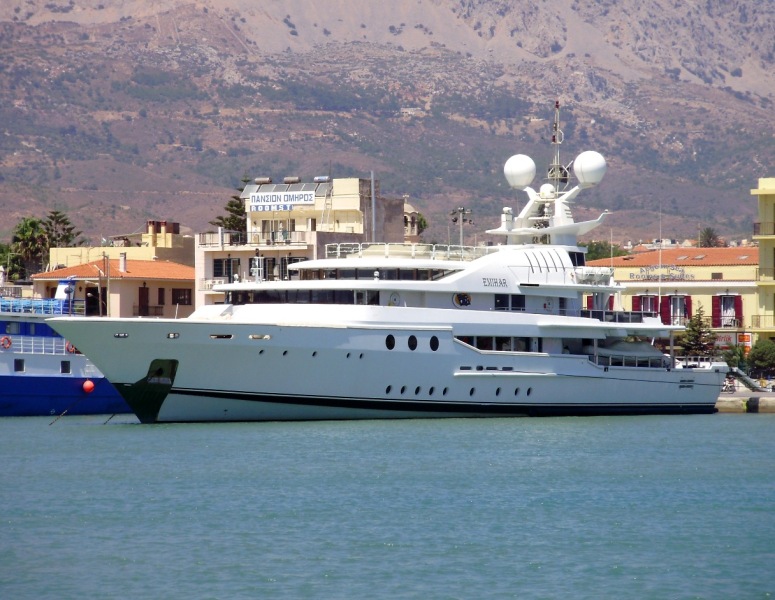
(261, 351)
(529, 391)
(444, 392)
(516, 392)
(315, 353)
(430, 391)
(360, 355)
(434, 343)
(403, 389)
(498, 392)
(471, 391)
(388, 389)
(412, 342)
(348, 355)
(285, 352)
(390, 342)
(417, 391)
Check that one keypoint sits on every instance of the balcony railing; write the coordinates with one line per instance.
(147, 311)
(234, 238)
(208, 283)
(764, 228)
(763, 321)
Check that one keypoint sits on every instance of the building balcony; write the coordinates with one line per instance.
(765, 275)
(763, 228)
(256, 240)
(766, 321)
(206, 285)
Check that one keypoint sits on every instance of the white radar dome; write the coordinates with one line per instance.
(519, 170)
(589, 168)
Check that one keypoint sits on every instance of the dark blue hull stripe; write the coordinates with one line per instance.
(474, 408)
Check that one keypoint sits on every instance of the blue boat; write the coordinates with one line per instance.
(41, 373)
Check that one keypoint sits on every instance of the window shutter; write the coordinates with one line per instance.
(664, 309)
(715, 317)
(636, 304)
(739, 310)
(688, 305)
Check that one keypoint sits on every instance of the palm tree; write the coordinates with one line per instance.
(30, 242)
(709, 238)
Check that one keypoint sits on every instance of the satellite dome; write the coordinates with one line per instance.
(519, 170)
(546, 191)
(589, 168)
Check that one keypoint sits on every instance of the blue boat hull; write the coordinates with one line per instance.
(35, 396)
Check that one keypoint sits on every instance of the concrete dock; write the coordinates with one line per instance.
(744, 400)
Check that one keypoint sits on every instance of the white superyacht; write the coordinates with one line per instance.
(379, 331)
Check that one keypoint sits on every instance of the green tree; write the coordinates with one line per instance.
(762, 358)
(29, 241)
(60, 231)
(709, 238)
(698, 339)
(602, 249)
(422, 223)
(735, 358)
(235, 219)
(11, 263)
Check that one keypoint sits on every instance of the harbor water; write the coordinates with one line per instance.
(621, 507)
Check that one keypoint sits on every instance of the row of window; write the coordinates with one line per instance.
(726, 310)
(27, 328)
(19, 366)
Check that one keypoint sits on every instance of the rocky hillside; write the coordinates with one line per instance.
(117, 112)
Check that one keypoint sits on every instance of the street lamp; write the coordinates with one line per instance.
(462, 215)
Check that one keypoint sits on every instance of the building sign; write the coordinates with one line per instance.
(744, 340)
(726, 340)
(267, 201)
(661, 273)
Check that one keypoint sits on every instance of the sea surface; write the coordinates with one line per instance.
(620, 507)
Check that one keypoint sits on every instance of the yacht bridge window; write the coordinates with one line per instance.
(510, 302)
(302, 296)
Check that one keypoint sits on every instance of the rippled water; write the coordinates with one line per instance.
(621, 507)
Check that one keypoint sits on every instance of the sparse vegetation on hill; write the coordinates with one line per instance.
(118, 114)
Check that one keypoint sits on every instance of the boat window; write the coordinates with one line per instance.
(18, 365)
(390, 342)
(298, 296)
(259, 336)
(503, 344)
(347, 274)
(407, 274)
(577, 259)
(173, 336)
(434, 343)
(367, 273)
(412, 342)
(64, 367)
(221, 336)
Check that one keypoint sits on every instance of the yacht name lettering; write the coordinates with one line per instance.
(494, 282)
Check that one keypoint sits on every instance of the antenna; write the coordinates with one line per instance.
(558, 174)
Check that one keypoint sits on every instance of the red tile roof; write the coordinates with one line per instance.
(742, 255)
(135, 269)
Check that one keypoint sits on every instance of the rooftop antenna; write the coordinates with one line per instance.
(559, 175)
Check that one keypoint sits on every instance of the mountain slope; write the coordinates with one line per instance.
(123, 111)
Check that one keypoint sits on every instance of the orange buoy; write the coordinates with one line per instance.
(88, 386)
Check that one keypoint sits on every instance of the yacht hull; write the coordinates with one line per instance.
(192, 371)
